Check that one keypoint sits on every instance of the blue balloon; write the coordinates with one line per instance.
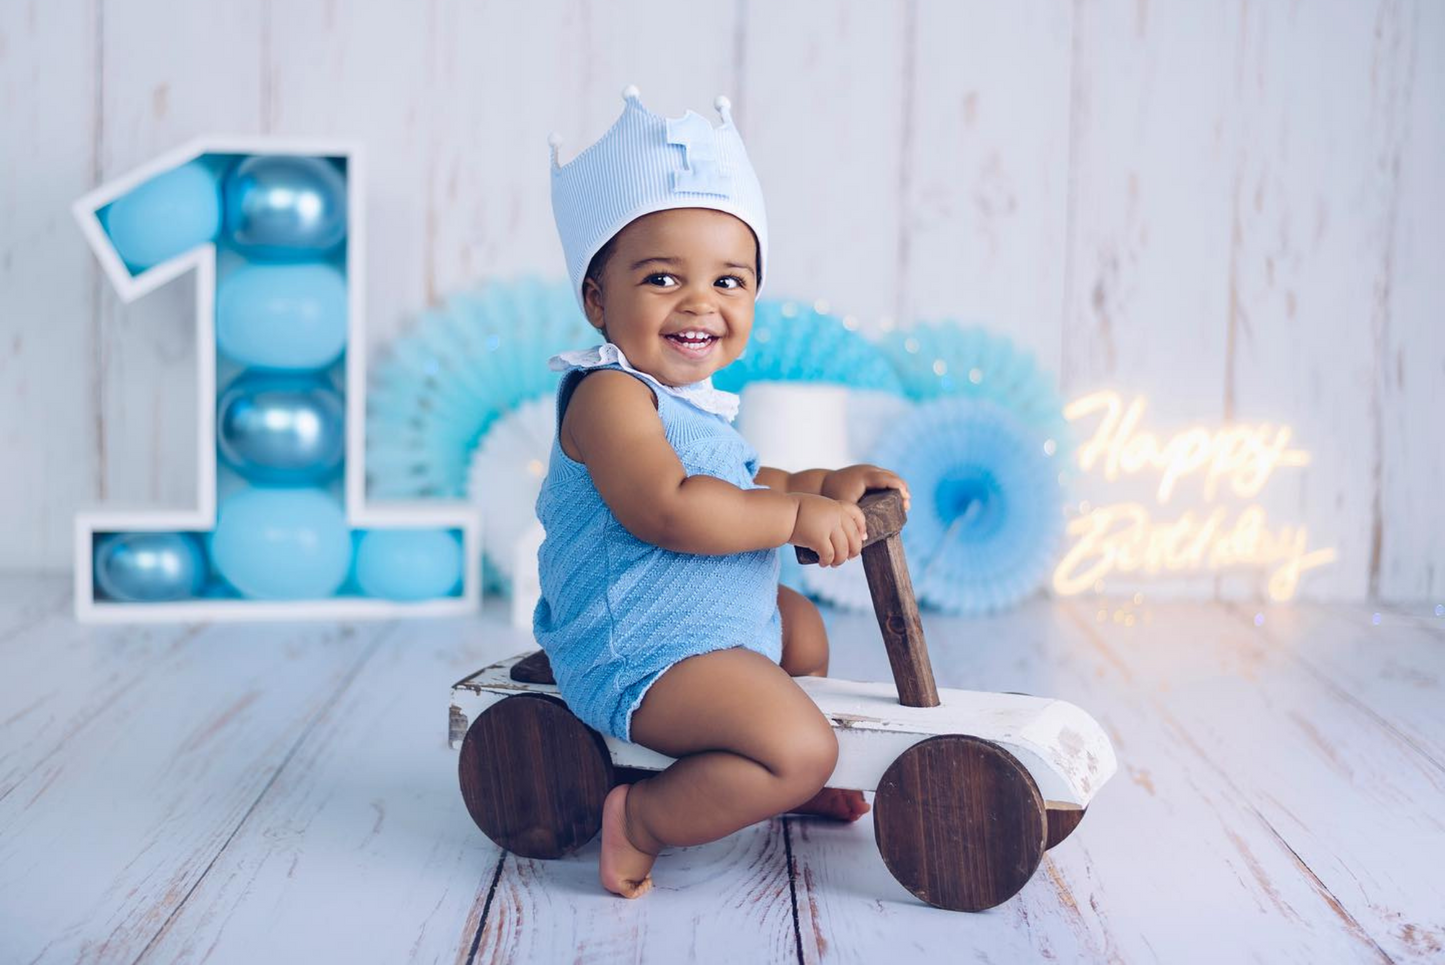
(282, 544)
(399, 564)
(149, 567)
(284, 317)
(286, 429)
(285, 207)
(165, 216)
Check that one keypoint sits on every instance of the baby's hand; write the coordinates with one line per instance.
(832, 529)
(850, 483)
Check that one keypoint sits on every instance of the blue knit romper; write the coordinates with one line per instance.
(616, 612)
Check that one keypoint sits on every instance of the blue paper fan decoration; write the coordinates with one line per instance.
(442, 385)
(987, 514)
(946, 358)
(791, 341)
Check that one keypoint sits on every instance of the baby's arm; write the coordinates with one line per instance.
(806, 481)
(847, 484)
(612, 422)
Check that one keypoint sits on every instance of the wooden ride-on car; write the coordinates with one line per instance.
(972, 787)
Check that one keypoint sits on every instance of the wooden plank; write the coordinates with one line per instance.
(1389, 670)
(57, 673)
(363, 73)
(1147, 246)
(729, 900)
(986, 175)
(1310, 249)
(1161, 858)
(1410, 357)
(730, 897)
(29, 600)
(156, 93)
(48, 357)
(364, 825)
(824, 113)
(161, 743)
(490, 211)
(1339, 791)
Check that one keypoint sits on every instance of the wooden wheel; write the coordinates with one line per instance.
(1062, 822)
(959, 822)
(534, 776)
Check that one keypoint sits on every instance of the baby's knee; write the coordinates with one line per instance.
(809, 761)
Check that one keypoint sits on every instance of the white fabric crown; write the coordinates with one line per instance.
(646, 163)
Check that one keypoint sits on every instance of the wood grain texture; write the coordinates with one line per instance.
(167, 74)
(959, 823)
(896, 609)
(361, 850)
(1194, 814)
(147, 750)
(1062, 823)
(1409, 349)
(230, 794)
(50, 424)
(1310, 245)
(534, 776)
(1230, 208)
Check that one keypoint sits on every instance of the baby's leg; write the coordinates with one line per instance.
(805, 640)
(805, 654)
(750, 745)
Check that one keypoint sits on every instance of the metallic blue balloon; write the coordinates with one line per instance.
(169, 214)
(286, 429)
(286, 317)
(285, 208)
(149, 567)
(282, 544)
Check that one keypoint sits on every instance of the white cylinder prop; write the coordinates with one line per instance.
(796, 425)
(811, 425)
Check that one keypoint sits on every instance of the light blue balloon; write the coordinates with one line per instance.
(282, 544)
(285, 208)
(149, 567)
(284, 429)
(165, 216)
(284, 317)
(408, 564)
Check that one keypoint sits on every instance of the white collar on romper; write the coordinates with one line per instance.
(700, 394)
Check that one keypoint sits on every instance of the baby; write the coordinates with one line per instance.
(661, 611)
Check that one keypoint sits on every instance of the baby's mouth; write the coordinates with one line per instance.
(692, 348)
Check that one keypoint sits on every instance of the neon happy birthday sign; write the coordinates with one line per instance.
(1125, 538)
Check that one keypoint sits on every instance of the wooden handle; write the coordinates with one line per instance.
(893, 600)
(883, 514)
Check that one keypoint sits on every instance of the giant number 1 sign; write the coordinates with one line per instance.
(275, 232)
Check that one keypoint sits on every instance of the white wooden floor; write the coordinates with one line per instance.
(279, 793)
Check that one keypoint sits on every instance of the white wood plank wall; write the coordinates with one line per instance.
(1235, 208)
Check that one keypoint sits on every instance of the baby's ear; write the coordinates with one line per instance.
(592, 302)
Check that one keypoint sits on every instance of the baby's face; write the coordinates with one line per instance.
(675, 271)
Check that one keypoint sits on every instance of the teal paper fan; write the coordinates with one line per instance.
(441, 386)
(791, 341)
(946, 358)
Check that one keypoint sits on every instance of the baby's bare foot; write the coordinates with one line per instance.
(835, 802)
(623, 868)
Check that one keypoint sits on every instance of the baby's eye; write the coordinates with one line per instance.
(740, 282)
(660, 274)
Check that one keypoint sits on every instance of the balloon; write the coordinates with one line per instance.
(286, 317)
(285, 207)
(402, 564)
(281, 428)
(282, 544)
(149, 567)
(165, 216)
